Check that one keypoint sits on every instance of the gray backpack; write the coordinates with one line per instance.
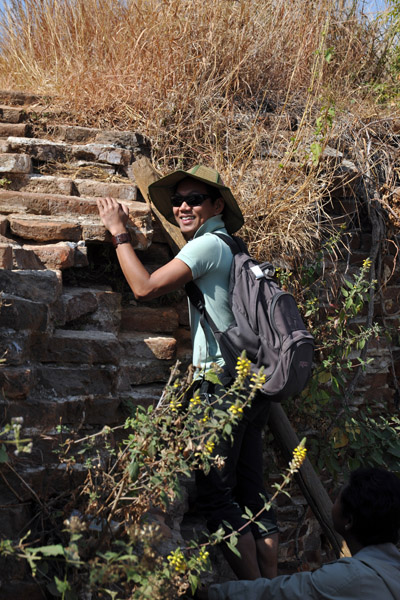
(268, 325)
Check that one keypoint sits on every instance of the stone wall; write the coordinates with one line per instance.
(78, 348)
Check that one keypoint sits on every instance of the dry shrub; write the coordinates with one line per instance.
(198, 78)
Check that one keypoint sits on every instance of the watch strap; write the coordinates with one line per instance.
(121, 238)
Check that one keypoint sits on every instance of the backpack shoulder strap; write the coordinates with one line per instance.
(235, 243)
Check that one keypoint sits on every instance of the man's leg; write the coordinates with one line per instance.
(267, 555)
(245, 567)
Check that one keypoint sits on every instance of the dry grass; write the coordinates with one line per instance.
(198, 78)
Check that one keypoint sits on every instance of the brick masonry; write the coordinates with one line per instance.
(76, 344)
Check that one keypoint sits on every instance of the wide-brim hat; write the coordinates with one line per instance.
(160, 193)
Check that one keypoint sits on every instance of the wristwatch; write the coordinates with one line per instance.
(121, 238)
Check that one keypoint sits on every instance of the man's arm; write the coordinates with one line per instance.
(144, 285)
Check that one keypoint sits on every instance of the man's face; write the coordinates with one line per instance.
(190, 218)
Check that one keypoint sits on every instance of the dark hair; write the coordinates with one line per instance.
(372, 499)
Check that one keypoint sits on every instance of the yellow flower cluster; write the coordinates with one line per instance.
(205, 418)
(177, 560)
(235, 410)
(195, 400)
(209, 447)
(258, 380)
(203, 555)
(299, 456)
(174, 405)
(367, 263)
(243, 367)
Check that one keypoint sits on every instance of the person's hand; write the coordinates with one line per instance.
(113, 214)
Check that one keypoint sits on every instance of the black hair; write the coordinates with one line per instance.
(372, 499)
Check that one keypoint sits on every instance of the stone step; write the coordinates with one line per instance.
(18, 98)
(15, 163)
(70, 186)
(38, 286)
(133, 141)
(53, 229)
(147, 345)
(92, 308)
(76, 347)
(11, 114)
(47, 150)
(13, 129)
(62, 255)
(68, 218)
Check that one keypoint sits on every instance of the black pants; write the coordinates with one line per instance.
(224, 493)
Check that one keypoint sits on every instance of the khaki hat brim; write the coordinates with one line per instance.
(161, 190)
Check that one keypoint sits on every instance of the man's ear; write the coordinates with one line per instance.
(219, 205)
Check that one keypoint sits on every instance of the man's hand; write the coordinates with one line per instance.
(113, 214)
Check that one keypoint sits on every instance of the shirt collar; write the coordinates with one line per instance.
(212, 224)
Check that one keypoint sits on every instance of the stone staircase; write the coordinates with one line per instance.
(77, 349)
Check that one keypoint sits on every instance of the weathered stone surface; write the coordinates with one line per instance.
(78, 302)
(20, 314)
(106, 309)
(45, 229)
(145, 395)
(11, 114)
(127, 139)
(4, 147)
(142, 371)
(40, 286)
(136, 345)
(120, 191)
(69, 381)
(143, 318)
(13, 129)
(104, 411)
(42, 150)
(50, 256)
(44, 184)
(73, 133)
(102, 153)
(15, 163)
(81, 347)
(6, 256)
(3, 225)
(19, 98)
(16, 382)
(14, 346)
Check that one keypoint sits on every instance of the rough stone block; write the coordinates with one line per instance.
(78, 302)
(103, 153)
(18, 313)
(120, 191)
(104, 305)
(16, 382)
(80, 347)
(44, 184)
(19, 98)
(74, 134)
(70, 381)
(11, 114)
(13, 129)
(39, 149)
(39, 286)
(50, 256)
(6, 256)
(391, 300)
(137, 345)
(15, 163)
(144, 318)
(144, 371)
(144, 395)
(104, 411)
(45, 229)
(3, 225)
(14, 346)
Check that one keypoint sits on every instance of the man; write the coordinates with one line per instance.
(200, 204)
(367, 514)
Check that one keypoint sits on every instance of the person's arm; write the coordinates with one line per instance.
(144, 285)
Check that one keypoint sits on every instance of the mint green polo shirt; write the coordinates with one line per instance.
(210, 260)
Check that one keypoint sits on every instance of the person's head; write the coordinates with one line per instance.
(193, 203)
(368, 507)
(217, 199)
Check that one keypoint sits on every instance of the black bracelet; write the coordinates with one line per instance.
(121, 238)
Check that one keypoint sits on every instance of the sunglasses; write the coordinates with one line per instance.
(191, 200)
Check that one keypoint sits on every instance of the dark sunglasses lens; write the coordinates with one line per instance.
(191, 200)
